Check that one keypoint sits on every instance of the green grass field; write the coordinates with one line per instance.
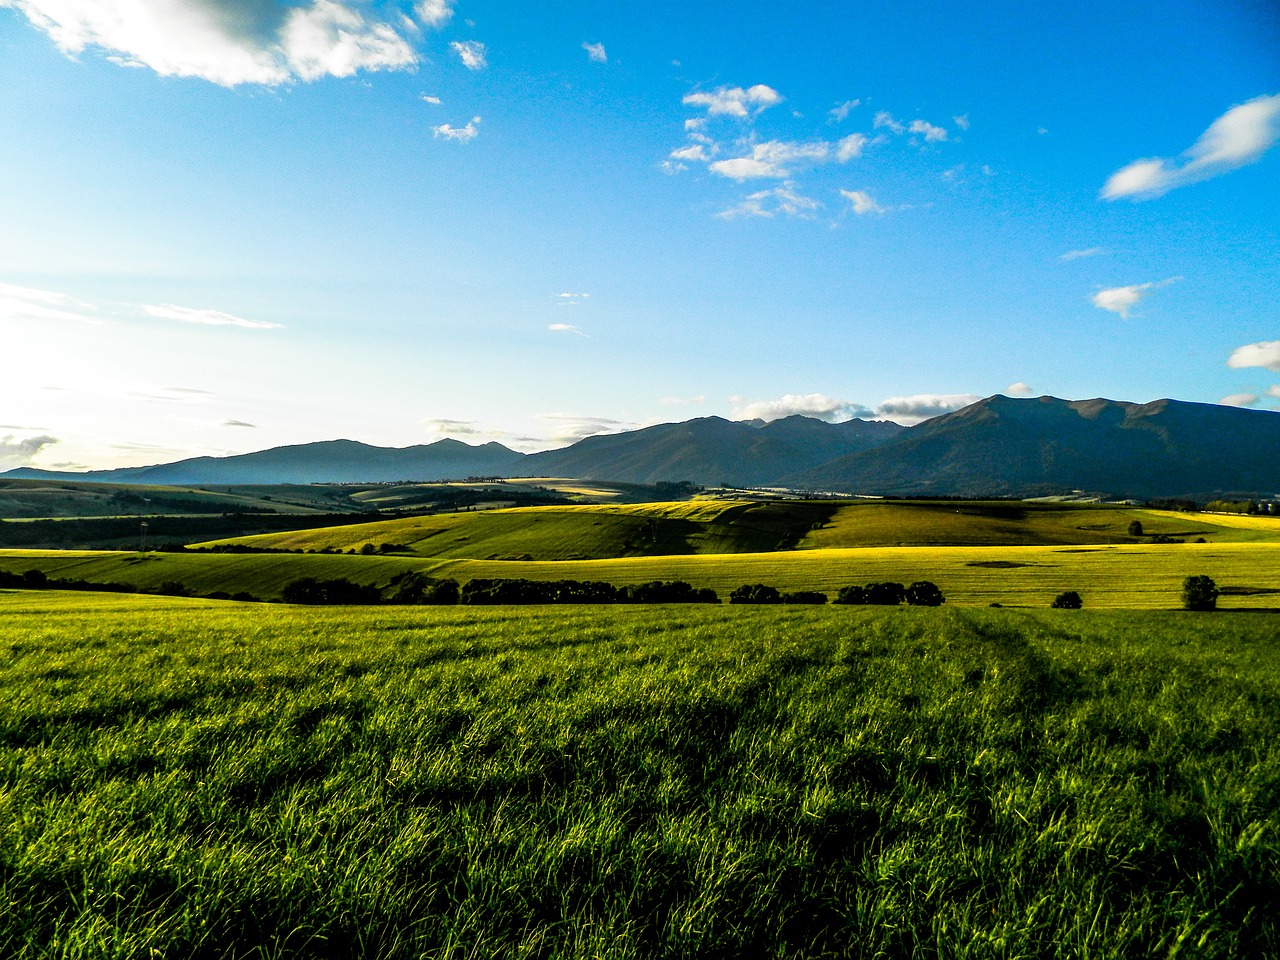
(1137, 576)
(183, 778)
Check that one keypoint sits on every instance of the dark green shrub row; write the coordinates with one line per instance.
(921, 593)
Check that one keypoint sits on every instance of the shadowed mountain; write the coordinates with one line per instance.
(711, 450)
(1043, 446)
(329, 461)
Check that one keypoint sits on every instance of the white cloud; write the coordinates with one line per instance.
(1273, 391)
(840, 111)
(694, 124)
(931, 133)
(454, 428)
(773, 158)
(1239, 400)
(884, 119)
(461, 134)
(565, 328)
(595, 52)
(735, 101)
(263, 41)
(471, 53)
(434, 13)
(1121, 300)
(1018, 389)
(27, 303)
(850, 147)
(17, 453)
(214, 318)
(816, 405)
(1236, 139)
(695, 151)
(769, 203)
(1264, 354)
(671, 169)
(567, 429)
(923, 406)
(572, 295)
(427, 98)
(1080, 254)
(861, 202)
(961, 121)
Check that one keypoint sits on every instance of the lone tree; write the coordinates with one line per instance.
(1199, 593)
(924, 593)
(1067, 601)
(1135, 528)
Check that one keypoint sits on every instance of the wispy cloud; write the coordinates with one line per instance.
(783, 200)
(1081, 254)
(460, 134)
(961, 121)
(1120, 300)
(1263, 354)
(595, 52)
(566, 429)
(840, 111)
(565, 328)
(264, 42)
(17, 453)
(212, 318)
(930, 133)
(239, 423)
(861, 202)
(427, 98)
(1240, 400)
(773, 158)
(1236, 139)
(472, 53)
(850, 147)
(735, 101)
(884, 121)
(454, 428)
(434, 13)
(28, 303)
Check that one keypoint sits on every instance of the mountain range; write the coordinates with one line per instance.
(999, 446)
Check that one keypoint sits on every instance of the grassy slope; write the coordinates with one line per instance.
(1140, 576)
(181, 778)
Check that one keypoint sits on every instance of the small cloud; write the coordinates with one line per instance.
(18, 453)
(1274, 391)
(861, 202)
(816, 405)
(694, 152)
(1081, 254)
(931, 133)
(1236, 139)
(28, 303)
(212, 318)
(1240, 400)
(735, 101)
(923, 406)
(850, 147)
(565, 328)
(566, 429)
(460, 134)
(434, 13)
(773, 158)
(693, 124)
(239, 423)
(884, 120)
(1018, 389)
(961, 121)
(471, 53)
(454, 428)
(768, 203)
(841, 110)
(595, 52)
(1042, 130)
(427, 98)
(1121, 300)
(1264, 354)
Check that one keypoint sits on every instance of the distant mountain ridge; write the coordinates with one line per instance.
(999, 446)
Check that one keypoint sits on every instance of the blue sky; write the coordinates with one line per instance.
(233, 224)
